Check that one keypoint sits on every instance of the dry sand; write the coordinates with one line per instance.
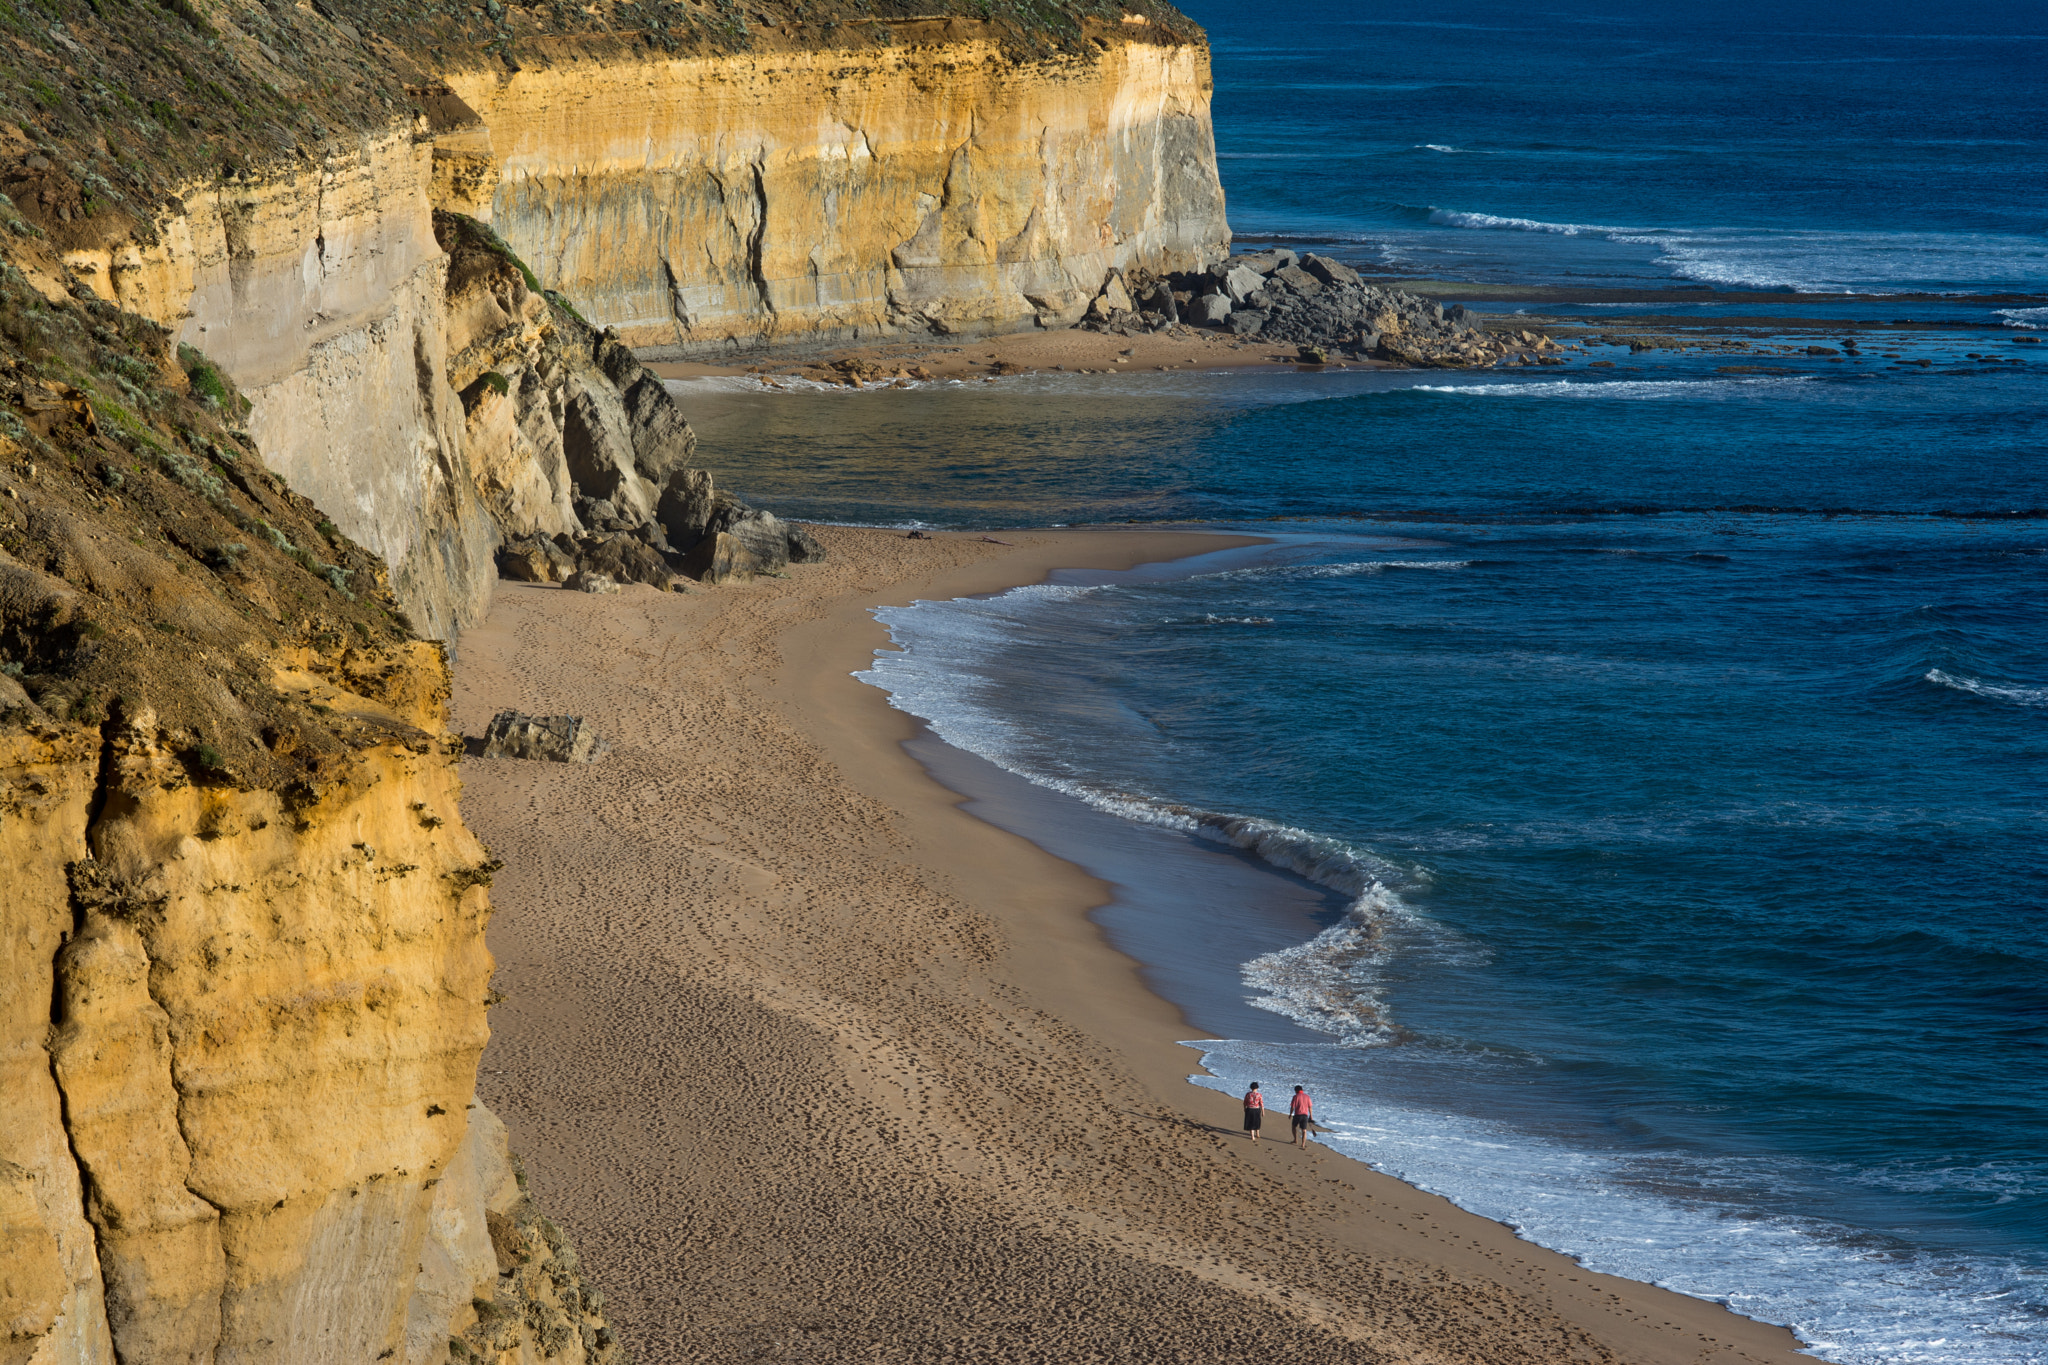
(814, 1066)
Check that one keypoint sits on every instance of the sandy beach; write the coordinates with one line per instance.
(814, 1066)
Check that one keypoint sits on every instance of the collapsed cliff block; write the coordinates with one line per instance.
(762, 534)
(804, 548)
(597, 441)
(552, 739)
(687, 501)
(535, 559)
(625, 559)
(721, 557)
(585, 581)
(662, 440)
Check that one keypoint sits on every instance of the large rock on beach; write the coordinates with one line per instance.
(626, 559)
(1210, 309)
(1297, 279)
(720, 557)
(549, 739)
(1330, 272)
(1265, 262)
(1241, 283)
(761, 534)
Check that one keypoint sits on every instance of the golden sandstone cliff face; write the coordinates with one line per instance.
(939, 183)
(245, 982)
(321, 292)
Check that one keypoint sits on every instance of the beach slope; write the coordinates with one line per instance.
(815, 1066)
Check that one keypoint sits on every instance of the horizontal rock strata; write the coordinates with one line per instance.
(936, 184)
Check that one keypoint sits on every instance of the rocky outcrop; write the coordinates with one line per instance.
(1317, 304)
(809, 190)
(245, 986)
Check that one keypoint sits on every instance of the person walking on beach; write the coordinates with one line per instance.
(1254, 1110)
(1301, 1107)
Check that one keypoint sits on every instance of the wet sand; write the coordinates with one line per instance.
(814, 1066)
(1069, 349)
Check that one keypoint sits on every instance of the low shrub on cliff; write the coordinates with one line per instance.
(152, 561)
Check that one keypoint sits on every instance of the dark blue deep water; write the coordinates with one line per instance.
(1797, 145)
(1670, 743)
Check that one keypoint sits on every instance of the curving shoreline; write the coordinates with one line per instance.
(812, 1061)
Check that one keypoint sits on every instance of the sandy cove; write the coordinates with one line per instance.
(814, 1066)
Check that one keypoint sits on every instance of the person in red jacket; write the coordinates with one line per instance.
(1254, 1110)
(1301, 1107)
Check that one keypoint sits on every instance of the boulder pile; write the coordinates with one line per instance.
(1312, 302)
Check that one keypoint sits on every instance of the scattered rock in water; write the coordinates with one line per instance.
(549, 739)
(1314, 301)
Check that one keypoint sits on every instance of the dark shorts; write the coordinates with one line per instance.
(1253, 1118)
(1300, 1122)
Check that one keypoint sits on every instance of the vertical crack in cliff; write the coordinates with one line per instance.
(679, 313)
(95, 809)
(756, 268)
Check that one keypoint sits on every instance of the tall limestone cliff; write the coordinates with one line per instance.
(806, 191)
(277, 403)
(263, 180)
(245, 982)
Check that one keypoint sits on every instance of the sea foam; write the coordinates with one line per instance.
(1331, 983)
(2018, 696)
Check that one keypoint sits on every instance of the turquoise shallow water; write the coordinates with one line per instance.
(1651, 759)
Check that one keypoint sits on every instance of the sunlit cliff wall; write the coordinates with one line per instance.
(938, 183)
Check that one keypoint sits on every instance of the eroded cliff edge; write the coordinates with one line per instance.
(262, 179)
(245, 982)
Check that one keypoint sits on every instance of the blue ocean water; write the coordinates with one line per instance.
(1811, 146)
(1668, 744)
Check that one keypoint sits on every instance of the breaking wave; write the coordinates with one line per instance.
(1331, 983)
(2018, 696)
